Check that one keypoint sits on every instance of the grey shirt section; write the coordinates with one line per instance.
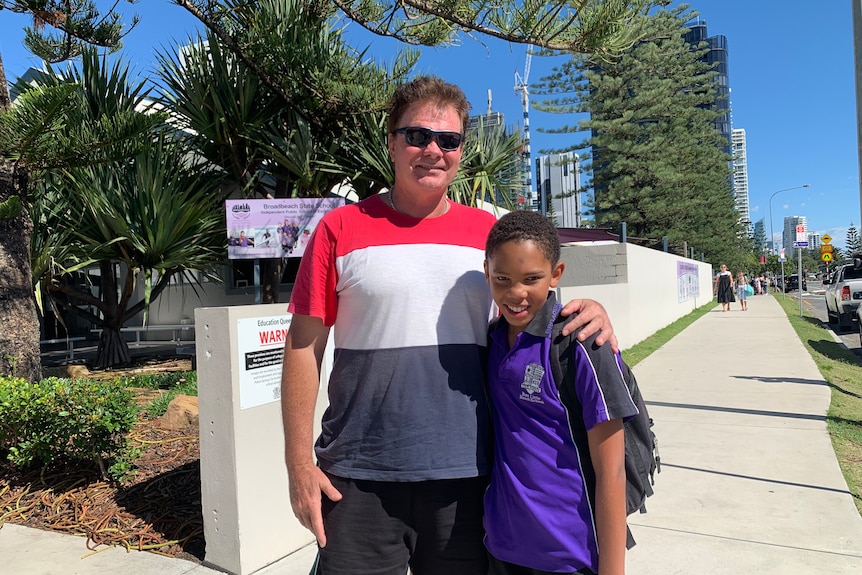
(408, 414)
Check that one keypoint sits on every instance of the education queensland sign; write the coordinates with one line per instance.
(277, 228)
(260, 349)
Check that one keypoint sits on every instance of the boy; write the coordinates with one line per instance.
(556, 502)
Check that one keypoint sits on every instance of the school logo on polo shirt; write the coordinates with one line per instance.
(532, 383)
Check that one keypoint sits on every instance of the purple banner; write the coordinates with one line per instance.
(687, 281)
(278, 228)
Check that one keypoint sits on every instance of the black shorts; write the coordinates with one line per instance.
(379, 528)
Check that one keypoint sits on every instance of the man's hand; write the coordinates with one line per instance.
(307, 482)
(592, 318)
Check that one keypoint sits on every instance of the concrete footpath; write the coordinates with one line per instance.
(749, 480)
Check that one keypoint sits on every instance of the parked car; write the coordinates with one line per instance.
(791, 283)
(843, 296)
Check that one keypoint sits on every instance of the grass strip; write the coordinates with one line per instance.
(637, 353)
(842, 371)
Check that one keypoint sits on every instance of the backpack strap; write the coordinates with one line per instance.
(642, 460)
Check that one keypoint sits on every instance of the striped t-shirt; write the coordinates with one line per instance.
(410, 307)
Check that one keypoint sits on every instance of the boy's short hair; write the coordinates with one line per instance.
(523, 225)
(427, 89)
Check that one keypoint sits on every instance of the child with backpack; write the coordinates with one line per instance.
(556, 502)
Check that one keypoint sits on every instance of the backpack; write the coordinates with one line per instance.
(642, 460)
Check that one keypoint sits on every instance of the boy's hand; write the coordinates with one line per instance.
(592, 318)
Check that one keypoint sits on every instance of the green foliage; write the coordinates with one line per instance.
(490, 168)
(589, 26)
(759, 239)
(60, 421)
(28, 130)
(254, 115)
(81, 115)
(159, 215)
(853, 244)
(842, 371)
(185, 383)
(62, 29)
(658, 163)
(183, 386)
(11, 208)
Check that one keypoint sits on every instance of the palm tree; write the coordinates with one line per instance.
(148, 220)
(490, 167)
(294, 140)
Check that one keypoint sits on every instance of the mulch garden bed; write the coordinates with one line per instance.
(158, 509)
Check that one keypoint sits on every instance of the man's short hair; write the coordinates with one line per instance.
(427, 89)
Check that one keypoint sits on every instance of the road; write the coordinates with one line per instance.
(815, 303)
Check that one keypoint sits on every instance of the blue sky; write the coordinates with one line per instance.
(790, 71)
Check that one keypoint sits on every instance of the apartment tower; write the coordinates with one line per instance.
(558, 183)
(740, 178)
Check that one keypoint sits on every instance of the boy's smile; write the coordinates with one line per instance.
(520, 275)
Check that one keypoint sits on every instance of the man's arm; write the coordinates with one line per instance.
(592, 318)
(607, 450)
(300, 381)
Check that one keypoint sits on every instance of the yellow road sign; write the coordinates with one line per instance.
(826, 248)
(826, 257)
(825, 238)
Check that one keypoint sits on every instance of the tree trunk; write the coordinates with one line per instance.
(5, 98)
(270, 279)
(19, 324)
(113, 350)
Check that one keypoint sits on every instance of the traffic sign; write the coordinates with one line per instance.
(826, 248)
(800, 244)
(826, 257)
(825, 238)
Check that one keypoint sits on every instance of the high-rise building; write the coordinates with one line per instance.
(488, 121)
(716, 54)
(814, 241)
(558, 183)
(788, 236)
(740, 178)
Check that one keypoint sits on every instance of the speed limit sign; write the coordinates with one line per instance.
(826, 257)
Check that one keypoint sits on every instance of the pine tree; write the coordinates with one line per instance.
(658, 163)
(61, 29)
(853, 245)
(759, 238)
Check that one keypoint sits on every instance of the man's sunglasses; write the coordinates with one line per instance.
(421, 137)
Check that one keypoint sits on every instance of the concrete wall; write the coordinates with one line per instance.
(638, 286)
(248, 521)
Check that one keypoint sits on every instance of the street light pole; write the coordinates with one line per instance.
(772, 232)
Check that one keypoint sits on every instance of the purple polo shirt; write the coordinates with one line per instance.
(538, 512)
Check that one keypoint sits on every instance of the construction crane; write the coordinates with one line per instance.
(522, 88)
